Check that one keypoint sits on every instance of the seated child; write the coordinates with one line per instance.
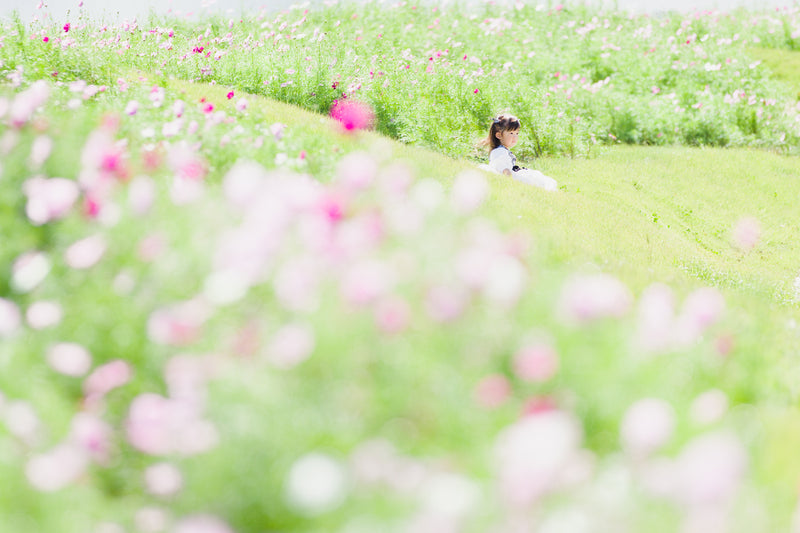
(503, 135)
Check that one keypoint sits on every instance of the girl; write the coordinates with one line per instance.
(503, 135)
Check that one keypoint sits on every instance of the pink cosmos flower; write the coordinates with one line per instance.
(537, 455)
(66, 27)
(40, 150)
(710, 470)
(49, 199)
(291, 345)
(701, 309)
(492, 391)
(535, 362)
(241, 104)
(107, 377)
(648, 425)
(179, 324)
(92, 436)
(352, 115)
(158, 426)
(86, 252)
(392, 315)
(132, 108)
(56, 469)
(590, 297)
(141, 194)
(746, 233)
(230, 95)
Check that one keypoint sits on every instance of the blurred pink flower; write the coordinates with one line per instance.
(92, 436)
(356, 171)
(535, 456)
(22, 421)
(40, 150)
(366, 281)
(709, 407)
(49, 199)
(86, 252)
(492, 391)
(44, 314)
(710, 469)
(230, 95)
(27, 102)
(66, 27)
(445, 303)
(701, 309)
(105, 378)
(655, 320)
(392, 315)
(647, 426)
(590, 297)
(163, 479)
(141, 194)
(746, 233)
(132, 108)
(179, 324)
(352, 115)
(536, 362)
(291, 345)
(160, 426)
(69, 358)
(56, 469)
(10, 318)
(241, 104)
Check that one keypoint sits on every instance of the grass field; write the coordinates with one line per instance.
(230, 314)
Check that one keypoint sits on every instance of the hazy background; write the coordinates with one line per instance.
(129, 9)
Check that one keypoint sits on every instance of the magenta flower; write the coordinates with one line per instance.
(46, 39)
(230, 95)
(66, 27)
(352, 115)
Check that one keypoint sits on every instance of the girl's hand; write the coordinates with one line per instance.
(506, 172)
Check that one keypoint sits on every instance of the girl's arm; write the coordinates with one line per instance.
(507, 172)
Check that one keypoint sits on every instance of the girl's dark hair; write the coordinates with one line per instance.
(500, 124)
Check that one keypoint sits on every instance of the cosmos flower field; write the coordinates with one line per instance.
(219, 313)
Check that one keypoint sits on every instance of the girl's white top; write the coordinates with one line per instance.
(501, 159)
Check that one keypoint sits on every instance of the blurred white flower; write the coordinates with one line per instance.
(470, 190)
(29, 270)
(44, 314)
(585, 298)
(163, 479)
(316, 484)
(10, 318)
(69, 358)
(647, 426)
(86, 252)
(709, 407)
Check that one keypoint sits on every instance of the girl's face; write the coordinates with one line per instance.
(508, 138)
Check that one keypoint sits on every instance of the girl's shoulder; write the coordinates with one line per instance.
(499, 150)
